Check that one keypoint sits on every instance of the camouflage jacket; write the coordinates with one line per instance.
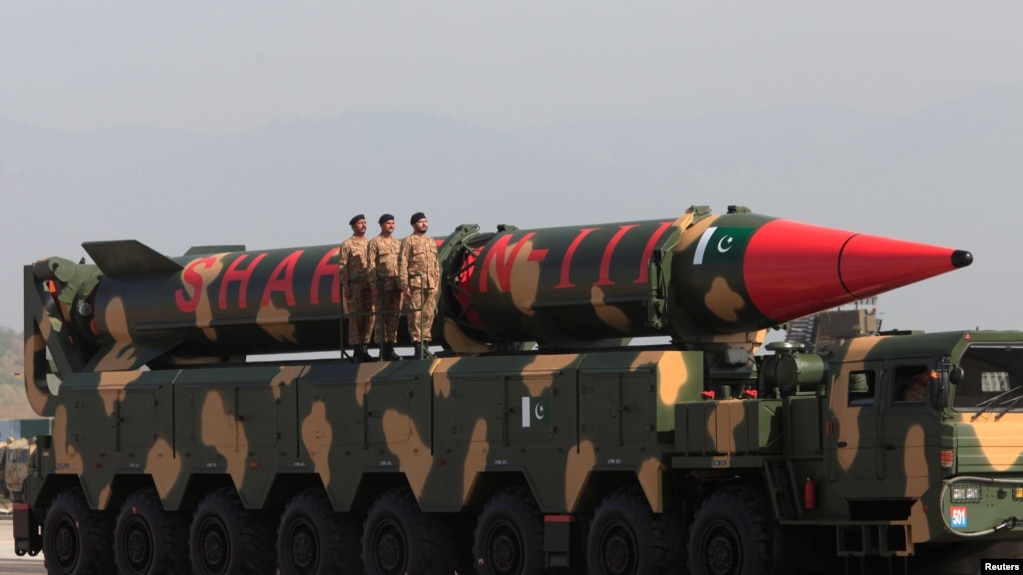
(383, 262)
(914, 393)
(418, 265)
(352, 262)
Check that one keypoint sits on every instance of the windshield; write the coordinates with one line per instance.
(992, 379)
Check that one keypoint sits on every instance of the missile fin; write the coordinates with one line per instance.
(119, 258)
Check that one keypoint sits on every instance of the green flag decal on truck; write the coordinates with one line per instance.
(535, 411)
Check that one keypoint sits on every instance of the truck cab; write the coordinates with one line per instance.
(923, 439)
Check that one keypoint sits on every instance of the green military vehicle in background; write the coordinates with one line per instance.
(16, 453)
(14, 457)
(538, 440)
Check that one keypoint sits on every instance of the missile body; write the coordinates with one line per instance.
(694, 278)
(210, 306)
(561, 285)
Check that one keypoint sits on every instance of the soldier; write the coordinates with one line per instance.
(383, 279)
(916, 390)
(353, 269)
(419, 278)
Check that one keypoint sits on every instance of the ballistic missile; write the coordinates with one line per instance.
(695, 278)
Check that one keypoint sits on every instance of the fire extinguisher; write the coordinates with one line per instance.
(810, 494)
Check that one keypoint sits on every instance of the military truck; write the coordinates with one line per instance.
(538, 439)
(14, 457)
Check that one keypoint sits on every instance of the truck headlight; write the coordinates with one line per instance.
(965, 493)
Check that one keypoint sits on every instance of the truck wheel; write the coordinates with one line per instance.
(148, 540)
(76, 539)
(509, 535)
(731, 535)
(313, 540)
(398, 538)
(625, 537)
(227, 539)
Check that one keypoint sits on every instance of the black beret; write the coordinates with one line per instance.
(416, 217)
(384, 218)
(355, 219)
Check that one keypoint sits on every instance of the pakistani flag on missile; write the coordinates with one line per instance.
(724, 245)
(535, 411)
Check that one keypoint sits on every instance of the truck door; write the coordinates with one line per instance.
(910, 431)
(852, 429)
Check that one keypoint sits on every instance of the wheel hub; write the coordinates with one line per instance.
(390, 545)
(303, 549)
(505, 548)
(214, 547)
(65, 543)
(138, 547)
(618, 550)
(721, 553)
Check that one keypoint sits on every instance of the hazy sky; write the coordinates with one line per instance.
(224, 66)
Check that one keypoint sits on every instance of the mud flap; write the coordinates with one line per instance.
(28, 533)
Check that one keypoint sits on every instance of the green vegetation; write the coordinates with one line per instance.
(13, 403)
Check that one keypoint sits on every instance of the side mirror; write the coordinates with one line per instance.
(955, 375)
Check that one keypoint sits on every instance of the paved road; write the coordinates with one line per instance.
(11, 564)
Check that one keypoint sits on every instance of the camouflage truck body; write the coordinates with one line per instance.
(174, 451)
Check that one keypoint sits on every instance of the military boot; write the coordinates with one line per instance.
(387, 352)
(422, 350)
(360, 355)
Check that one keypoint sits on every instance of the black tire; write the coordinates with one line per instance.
(732, 534)
(76, 539)
(227, 539)
(149, 540)
(627, 538)
(313, 540)
(399, 539)
(509, 535)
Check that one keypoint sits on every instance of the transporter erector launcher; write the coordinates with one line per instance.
(170, 447)
(703, 279)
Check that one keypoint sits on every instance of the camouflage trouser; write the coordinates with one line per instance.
(360, 310)
(388, 309)
(429, 310)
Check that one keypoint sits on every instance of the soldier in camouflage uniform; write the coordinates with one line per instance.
(916, 388)
(383, 279)
(419, 278)
(354, 271)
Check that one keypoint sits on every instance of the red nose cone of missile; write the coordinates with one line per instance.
(794, 269)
